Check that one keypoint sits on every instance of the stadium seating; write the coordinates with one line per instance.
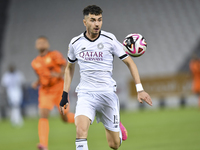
(170, 27)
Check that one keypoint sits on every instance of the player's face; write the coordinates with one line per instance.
(42, 44)
(93, 23)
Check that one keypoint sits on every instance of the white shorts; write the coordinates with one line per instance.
(105, 106)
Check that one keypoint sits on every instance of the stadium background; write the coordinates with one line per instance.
(171, 28)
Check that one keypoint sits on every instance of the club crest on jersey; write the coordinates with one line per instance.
(48, 60)
(92, 56)
(100, 46)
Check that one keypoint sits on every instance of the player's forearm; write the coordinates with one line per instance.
(133, 69)
(62, 73)
(35, 84)
(69, 73)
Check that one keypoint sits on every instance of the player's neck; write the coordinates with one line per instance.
(92, 36)
(43, 53)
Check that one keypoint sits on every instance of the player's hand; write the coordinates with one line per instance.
(64, 102)
(34, 85)
(143, 96)
(55, 74)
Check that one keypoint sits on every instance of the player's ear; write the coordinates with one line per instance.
(84, 22)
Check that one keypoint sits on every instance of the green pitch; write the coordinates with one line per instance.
(170, 129)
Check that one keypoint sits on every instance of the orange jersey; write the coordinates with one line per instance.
(195, 69)
(44, 65)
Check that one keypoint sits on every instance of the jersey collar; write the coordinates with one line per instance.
(89, 39)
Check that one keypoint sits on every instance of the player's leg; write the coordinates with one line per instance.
(109, 116)
(67, 116)
(123, 131)
(43, 128)
(82, 124)
(16, 117)
(84, 116)
(12, 115)
(45, 106)
(12, 112)
(113, 138)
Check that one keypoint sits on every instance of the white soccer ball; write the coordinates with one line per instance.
(134, 44)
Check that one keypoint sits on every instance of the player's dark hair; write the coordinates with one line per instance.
(92, 9)
(43, 37)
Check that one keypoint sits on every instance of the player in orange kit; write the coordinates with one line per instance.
(195, 69)
(49, 66)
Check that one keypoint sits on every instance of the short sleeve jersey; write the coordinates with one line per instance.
(95, 59)
(43, 67)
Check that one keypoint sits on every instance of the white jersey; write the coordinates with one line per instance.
(13, 83)
(95, 59)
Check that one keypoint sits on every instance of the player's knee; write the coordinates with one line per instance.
(45, 116)
(114, 145)
(70, 117)
(81, 132)
(44, 113)
(64, 119)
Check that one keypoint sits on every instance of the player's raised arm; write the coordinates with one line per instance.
(142, 95)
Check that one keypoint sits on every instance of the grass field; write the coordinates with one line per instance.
(170, 129)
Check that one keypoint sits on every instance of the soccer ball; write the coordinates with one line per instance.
(134, 44)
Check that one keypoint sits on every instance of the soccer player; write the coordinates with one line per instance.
(94, 51)
(13, 81)
(195, 69)
(49, 66)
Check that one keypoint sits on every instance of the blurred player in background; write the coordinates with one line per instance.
(195, 69)
(49, 66)
(94, 50)
(13, 82)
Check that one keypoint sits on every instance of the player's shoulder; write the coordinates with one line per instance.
(108, 35)
(76, 38)
(35, 60)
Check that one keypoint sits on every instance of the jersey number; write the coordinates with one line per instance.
(116, 121)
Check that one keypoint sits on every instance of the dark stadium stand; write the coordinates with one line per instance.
(3, 17)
